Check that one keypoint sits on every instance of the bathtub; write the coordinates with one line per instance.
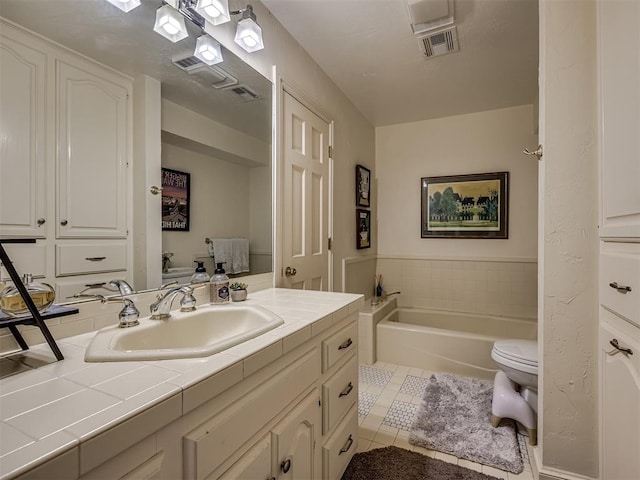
(442, 341)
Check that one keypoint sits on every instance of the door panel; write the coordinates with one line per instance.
(305, 198)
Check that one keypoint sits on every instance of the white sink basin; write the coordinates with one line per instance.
(206, 331)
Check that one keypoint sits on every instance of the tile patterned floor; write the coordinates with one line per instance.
(388, 400)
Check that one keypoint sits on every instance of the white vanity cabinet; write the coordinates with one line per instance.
(267, 426)
(64, 170)
(619, 292)
(23, 160)
(619, 126)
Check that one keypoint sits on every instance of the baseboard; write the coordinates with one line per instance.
(547, 473)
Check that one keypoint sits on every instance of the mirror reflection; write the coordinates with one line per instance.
(215, 127)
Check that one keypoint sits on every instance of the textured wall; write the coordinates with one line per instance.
(568, 237)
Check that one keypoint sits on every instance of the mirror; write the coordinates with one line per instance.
(230, 181)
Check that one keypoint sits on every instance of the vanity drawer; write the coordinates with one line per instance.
(338, 450)
(339, 393)
(74, 259)
(620, 279)
(339, 346)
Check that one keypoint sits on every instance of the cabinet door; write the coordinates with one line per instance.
(619, 51)
(22, 139)
(92, 154)
(254, 465)
(620, 401)
(294, 441)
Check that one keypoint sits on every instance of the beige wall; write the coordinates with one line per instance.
(475, 143)
(354, 140)
(568, 234)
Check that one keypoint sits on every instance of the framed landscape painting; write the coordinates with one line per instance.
(465, 206)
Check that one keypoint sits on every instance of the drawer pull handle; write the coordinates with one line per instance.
(285, 465)
(620, 288)
(347, 445)
(346, 344)
(346, 391)
(95, 259)
(618, 348)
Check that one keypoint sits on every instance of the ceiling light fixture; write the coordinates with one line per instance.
(170, 24)
(214, 11)
(125, 5)
(248, 32)
(208, 50)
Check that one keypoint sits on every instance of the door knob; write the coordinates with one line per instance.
(155, 190)
(537, 152)
(290, 271)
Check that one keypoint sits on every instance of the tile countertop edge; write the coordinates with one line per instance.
(33, 455)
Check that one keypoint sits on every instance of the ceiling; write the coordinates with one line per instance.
(127, 43)
(368, 49)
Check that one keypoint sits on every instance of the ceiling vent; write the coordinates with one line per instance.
(212, 75)
(439, 43)
(246, 93)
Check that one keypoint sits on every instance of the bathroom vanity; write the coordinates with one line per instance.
(282, 405)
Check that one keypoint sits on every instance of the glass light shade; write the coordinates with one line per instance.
(214, 11)
(249, 35)
(208, 50)
(170, 24)
(125, 5)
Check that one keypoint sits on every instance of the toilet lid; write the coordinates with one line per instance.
(521, 351)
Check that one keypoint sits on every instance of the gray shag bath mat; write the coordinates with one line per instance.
(393, 463)
(455, 417)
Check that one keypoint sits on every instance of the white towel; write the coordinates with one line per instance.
(233, 252)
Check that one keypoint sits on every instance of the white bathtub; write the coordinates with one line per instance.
(443, 341)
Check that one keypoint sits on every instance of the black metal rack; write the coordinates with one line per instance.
(36, 317)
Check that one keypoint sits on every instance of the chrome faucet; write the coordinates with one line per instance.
(166, 258)
(128, 316)
(378, 300)
(123, 287)
(161, 309)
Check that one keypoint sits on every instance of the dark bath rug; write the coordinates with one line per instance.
(455, 417)
(393, 463)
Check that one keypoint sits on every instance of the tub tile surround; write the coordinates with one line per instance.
(503, 287)
(48, 408)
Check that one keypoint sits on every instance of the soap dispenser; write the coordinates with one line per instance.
(201, 275)
(219, 286)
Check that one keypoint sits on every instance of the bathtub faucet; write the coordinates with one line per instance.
(378, 300)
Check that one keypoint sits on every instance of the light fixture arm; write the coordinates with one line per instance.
(246, 12)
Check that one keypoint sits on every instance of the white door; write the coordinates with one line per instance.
(305, 223)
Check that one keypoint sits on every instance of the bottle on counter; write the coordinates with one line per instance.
(12, 304)
(219, 286)
(201, 275)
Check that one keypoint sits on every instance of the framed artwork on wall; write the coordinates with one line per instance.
(175, 200)
(465, 206)
(363, 228)
(363, 186)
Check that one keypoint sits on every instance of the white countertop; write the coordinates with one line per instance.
(49, 407)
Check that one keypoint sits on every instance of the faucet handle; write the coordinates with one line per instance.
(188, 302)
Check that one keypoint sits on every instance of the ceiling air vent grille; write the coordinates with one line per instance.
(187, 63)
(439, 43)
(246, 93)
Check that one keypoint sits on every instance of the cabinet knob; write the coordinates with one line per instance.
(64, 223)
(620, 288)
(614, 343)
(41, 221)
(285, 465)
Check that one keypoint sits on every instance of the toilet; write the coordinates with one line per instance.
(515, 388)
